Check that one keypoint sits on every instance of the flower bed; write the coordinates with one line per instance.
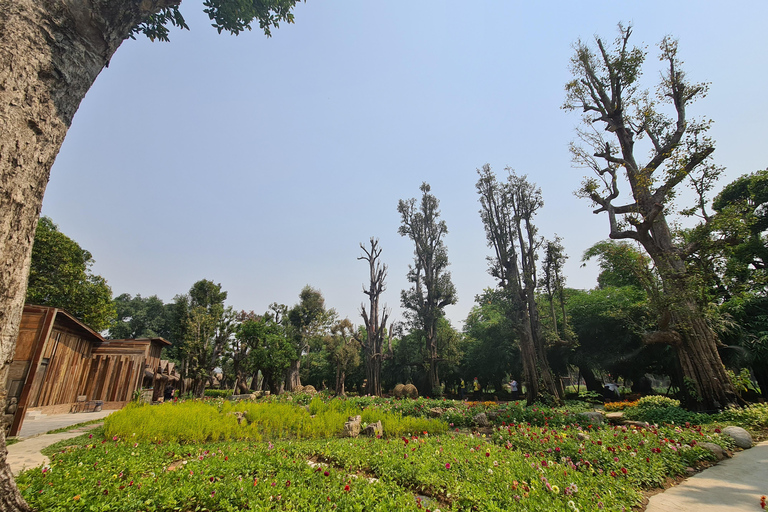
(539, 461)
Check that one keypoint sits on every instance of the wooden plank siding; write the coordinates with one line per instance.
(58, 358)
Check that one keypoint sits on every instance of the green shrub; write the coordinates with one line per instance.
(657, 402)
(592, 397)
(752, 416)
(219, 393)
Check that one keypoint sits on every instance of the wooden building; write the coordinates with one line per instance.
(61, 364)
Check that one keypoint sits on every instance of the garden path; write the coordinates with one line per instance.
(733, 485)
(26, 453)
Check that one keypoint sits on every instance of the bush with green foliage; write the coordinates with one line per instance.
(657, 402)
(218, 393)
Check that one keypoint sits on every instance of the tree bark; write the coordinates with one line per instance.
(293, 377)
(50, 54)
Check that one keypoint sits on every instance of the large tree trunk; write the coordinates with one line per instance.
(705, 383)
(433, 376)
(700, 362)
(50, 54)
(373, 375)
(293, 377)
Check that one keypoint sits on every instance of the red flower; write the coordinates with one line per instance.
(624, 470)
(346, 487)
(447, 465)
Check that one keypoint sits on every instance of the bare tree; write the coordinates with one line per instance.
(432, 287)
(553, 280)
(507, 210)
(606, 89)
(375, 318)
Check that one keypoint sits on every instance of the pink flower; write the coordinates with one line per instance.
(447, 465)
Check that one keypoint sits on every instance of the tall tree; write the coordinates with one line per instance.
(50, 54)
(507, 210)
(553, 281)
(344, 351)
(270, 349)
(61, 276)
(607, 90)
(206, 328)
(309, 322)
(432, 287)
(140, 317)
(375, 318)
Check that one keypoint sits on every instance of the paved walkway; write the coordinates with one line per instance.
(733, 485)
(26, 453)
(46, 423)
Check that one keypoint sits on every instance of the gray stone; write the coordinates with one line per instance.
(481, 420)
(352, 427)
(374, 430)
(714, 448)
(581, 436)
(435, 412)
(631, 423)
(248, 396)
(740, 437)
(596, 418)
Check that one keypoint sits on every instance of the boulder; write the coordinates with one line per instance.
(581, 436)
(240, 417)
(374, 430)
(594, 417)
(410, 391)
(249, 396)
(435, 412)
(741, 437)
(309, 388)
(398, 391)
(481, 420)
(714, 448)
(631, 423)
(352, 426)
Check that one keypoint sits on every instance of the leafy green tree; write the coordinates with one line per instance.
(308, 323)
(60, 276)
(606, 88)
(141, 317)
(507, 211)
(205, 330)
(343, 348)
(432, 288)
(53, 69)
(730, 256)
(271, 351)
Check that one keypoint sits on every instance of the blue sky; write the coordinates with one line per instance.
(262, 164)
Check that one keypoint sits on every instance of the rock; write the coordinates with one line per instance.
(581, 436)
(398, 391)
(740, 437)
(410, 391)
(492, 415)
(249, 396)
(374, 430)
(436, 412)
(240, 417)
(310, 389)
(631, 423)
(690, 470)
(352, 427)
(594, 417)
(714, 448)
(481, 420)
